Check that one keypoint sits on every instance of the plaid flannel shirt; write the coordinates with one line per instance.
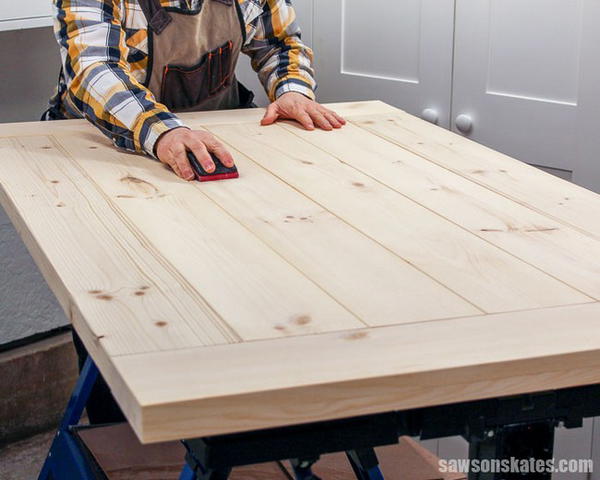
(104, 50)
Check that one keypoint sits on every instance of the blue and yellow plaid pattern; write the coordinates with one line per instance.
(104, 49)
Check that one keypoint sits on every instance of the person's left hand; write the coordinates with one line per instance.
(295, 106)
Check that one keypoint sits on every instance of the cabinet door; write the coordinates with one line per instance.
(527, 81)
(398, 52)
(245, 74)
(15, 15)
(11, 10)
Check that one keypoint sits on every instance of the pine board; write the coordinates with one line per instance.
(388, 265)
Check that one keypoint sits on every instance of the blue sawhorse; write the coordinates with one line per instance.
(67, 461)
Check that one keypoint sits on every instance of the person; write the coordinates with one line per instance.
(129, 66)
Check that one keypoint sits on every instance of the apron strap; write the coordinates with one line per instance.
(156, 16)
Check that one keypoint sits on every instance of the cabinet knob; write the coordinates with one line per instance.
(464, 123)
(430, 115)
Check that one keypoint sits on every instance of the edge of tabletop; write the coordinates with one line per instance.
(271, 383)
(220, 117)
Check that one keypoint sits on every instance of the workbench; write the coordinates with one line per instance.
(390, 266)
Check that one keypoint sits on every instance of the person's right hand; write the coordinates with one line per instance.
(172, 146)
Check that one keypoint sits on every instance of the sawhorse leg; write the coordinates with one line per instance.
(187, 473)
(365, 464)
(303, 469)
(519, 441)
(65, 459)
(195, 470)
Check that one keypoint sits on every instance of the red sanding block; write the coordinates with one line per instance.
(221, 171)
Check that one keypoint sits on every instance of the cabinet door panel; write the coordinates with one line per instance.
(526, 73)
(398, 52)
(12, 10)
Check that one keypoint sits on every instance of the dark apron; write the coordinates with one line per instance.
(193, 55)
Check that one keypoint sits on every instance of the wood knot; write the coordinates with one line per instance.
(302, 320)
(356, 336)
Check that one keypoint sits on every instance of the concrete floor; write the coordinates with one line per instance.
(23, 460)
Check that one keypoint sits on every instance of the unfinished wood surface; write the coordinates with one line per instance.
(125, 294)
(569, 203)
(386, 265)
(194, 120)
(455, 257)
(365, 371)
(523, 232)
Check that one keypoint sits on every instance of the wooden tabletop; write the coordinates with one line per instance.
(388, 265)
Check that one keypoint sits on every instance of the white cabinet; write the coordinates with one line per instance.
(398, 52)
(526, 74)
(15, 14)
(521, 76)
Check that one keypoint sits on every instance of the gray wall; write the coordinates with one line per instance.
(29, 68)
(30, 65)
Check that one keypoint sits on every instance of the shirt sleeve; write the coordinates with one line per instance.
(100, 84)
(282, 61)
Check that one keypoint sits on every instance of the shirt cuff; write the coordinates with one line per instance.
(287, 85)
(151, 128)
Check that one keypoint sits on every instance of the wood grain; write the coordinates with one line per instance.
(369, 280)
(103, 268)
(488, 277)
(550, 195)
(522, 232)
(334, 375)
(258, 293)
(387, 265)
(194, 120)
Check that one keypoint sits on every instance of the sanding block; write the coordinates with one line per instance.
(221, 172)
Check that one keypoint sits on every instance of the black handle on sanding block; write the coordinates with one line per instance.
(221, 172)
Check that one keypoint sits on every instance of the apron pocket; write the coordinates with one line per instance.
(187, 87)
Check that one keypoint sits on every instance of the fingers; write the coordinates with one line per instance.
(339, 118)
(200, 151)
(271, 115)
(320, 120)
(172, 149)
(334, 119)
(220, 151)
(180, 163)
(305, 120)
